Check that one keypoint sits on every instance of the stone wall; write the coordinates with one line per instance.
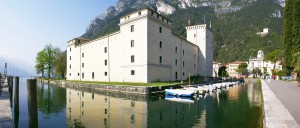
(145, 90)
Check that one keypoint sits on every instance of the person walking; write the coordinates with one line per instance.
(268, 79)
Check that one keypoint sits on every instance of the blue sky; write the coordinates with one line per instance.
(26, 26)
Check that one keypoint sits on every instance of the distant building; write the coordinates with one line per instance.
(144, 50)
(264, 32)
(258, 62)
(216, 67)
(232, 67)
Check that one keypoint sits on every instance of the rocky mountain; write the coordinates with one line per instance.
(239, 18)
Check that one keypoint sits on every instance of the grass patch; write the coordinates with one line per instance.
(258, 82)
(127, 83)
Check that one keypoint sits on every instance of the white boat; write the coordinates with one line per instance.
(179, 92)
(218, 85)
(196, 90)
(226, 84)
(209, 88)
(178, 99)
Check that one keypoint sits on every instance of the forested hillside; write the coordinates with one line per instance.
(234, 32)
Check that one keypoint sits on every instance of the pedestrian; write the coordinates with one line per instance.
(268, 79)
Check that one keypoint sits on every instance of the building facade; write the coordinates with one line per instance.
(258, 62)
(144, 50)
(232, 68)
(216, 67)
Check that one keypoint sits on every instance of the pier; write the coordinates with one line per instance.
(6, 120)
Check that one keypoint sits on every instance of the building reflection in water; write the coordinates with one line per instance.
(87, 109)
(235, 105)
(254, 95)
(95, 110)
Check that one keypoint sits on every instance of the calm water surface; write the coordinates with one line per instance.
(238, 106)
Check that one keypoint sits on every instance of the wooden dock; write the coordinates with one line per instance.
(6, 120)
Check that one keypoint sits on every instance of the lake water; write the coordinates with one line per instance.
(235, 107)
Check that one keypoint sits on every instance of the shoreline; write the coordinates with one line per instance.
(144, 90)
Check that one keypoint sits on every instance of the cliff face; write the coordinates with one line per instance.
(234, 22)
(165, 7)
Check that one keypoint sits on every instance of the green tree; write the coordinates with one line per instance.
(265, 71)
(256, 71)
(296, 62)
(273, 57)
(222, 72)
(60, 63)
(296, 27)
(288, 34)
(242, 69)
(44, 60)
(40, 63)
(50, 55)
(296, 37)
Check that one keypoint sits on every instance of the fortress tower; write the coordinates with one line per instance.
(202, 36)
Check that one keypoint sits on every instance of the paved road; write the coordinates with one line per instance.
(289, 95)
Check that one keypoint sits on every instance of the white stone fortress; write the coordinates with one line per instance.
(144, 50)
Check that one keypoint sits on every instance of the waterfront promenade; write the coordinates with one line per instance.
(5, 109)
(281, 104)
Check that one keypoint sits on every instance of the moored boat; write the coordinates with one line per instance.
(179, 92)
(179, 99)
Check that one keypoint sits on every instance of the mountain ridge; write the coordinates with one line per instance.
(227, 18)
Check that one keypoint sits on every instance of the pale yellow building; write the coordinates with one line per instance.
(144, 50)
(232, 68)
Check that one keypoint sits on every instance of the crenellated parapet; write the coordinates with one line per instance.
(145, 13)
(196, 27)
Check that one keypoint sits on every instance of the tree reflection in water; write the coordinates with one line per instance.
(51, 99)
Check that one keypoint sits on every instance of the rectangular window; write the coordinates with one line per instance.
(93, 75)
(176, 49)
(160, 44)
(160, 29)
(70, 49)
(105, 49)
(82, 54)
(77, 74)
(194, 56)
(140, 13)
(183, 74)
(132, 72)
(183, 63)
(132, 58)
(132, 43)
(105, 62)
(82, 65)
(82, 75)
(176, 75)
(132, 28)
(70, 74)
(70, 66)
(160, 59)
(70, 57)
(176, 62)
(182, 52)
(105, 73)
(194, 65)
